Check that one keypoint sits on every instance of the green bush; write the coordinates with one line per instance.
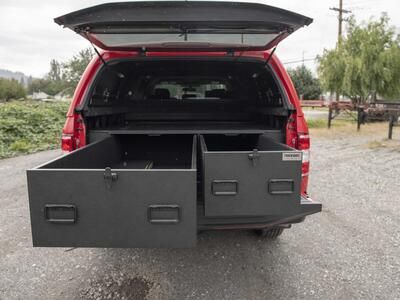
(29, 126)
(11, 89)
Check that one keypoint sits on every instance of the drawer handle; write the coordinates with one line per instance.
(281, 186)
(60, 213)
(164, 214)
(233, 187)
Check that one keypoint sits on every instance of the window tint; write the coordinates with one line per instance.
(151, 38)
(181, 89)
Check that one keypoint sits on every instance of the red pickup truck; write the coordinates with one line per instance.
(185, 121)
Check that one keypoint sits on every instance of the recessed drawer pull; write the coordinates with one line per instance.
(164, 214)
(60, 213)
(224, 187)
(281, 186)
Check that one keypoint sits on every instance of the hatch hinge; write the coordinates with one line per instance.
(230, 52)
(254, 156)
(109, 177)
(142, 52)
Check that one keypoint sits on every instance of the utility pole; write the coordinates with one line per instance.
(341, 11)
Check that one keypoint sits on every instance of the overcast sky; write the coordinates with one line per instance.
(29, 38)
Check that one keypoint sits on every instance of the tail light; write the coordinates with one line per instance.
(74, 133)
(300, 141)
(303, 144)
(67, 143)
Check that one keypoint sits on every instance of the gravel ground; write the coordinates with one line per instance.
(349, 251)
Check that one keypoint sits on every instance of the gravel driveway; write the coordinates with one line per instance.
(349, 251)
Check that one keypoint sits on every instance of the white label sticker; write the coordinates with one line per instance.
(291, 156)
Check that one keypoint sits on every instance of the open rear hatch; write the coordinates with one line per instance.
(179, 25)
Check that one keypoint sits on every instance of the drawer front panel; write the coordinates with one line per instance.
(250, 184)
(135, 208)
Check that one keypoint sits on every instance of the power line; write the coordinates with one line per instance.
(361, 2)
(299, 61)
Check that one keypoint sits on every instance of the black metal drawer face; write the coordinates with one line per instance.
(260, 182)
(146, 208)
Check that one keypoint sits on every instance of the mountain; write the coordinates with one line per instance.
(21, 77)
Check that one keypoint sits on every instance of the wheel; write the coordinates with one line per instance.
(270, 233)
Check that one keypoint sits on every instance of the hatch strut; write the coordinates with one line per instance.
(120, 75)
(270, 55)
(99, 55)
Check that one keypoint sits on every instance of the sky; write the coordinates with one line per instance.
(29, 38)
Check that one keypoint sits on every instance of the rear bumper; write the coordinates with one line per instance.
(308, 207)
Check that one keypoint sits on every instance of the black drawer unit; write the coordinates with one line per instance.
(249, 175)
(125, 191)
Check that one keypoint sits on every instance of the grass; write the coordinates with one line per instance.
(30, 126)
(323, 123)
(393, 145)
(317, 123)
(374, 134)
(315, 108)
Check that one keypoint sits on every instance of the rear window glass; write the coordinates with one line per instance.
(149, 38)
(182, 89)
(184, 81)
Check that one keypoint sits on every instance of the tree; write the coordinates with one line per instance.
(62, 77)
(11, 89)
(38, 85)
(52, 83)
(55, 71)
(307, 86)
(364, 64)
(74, 68)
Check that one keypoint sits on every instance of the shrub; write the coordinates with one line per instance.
(28, 126)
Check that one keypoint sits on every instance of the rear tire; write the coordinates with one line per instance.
(269, 233)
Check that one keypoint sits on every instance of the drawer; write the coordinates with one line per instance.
(249, 175)
(125, 191)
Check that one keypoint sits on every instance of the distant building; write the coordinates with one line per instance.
(40, 96)
(62, 96)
